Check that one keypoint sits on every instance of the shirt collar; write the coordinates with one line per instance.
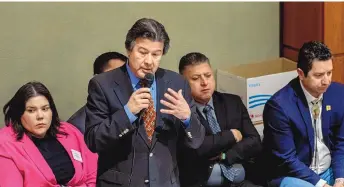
(201, 106)
(133, 79)
(309, 97)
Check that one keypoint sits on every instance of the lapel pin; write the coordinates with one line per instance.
(328, 107)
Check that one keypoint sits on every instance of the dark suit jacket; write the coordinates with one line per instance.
(288, 133)
(125, 156)
(231, 113)
(78, 119)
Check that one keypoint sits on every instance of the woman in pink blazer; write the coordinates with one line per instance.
(37, 150)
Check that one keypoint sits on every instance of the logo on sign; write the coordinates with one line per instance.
(256, 115)
(258, 100)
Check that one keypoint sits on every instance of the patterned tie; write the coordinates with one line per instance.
(214, 126)
(149, 116)
(228, 171)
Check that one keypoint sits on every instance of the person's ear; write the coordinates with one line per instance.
(300, 73)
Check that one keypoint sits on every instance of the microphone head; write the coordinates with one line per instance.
(149, 78)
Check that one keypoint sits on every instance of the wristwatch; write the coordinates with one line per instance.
(223, 156)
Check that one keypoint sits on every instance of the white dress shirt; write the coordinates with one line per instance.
(321, 159)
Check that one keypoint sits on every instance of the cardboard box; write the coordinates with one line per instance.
(256, 83)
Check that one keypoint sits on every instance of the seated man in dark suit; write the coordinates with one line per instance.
(304, 125)
(103, 63)
(231, 139)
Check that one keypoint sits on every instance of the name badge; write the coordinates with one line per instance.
(76, 155)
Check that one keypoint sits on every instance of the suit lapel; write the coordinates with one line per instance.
(204, 122)
(302, 105)
(122, 88)
(162, 83)
(325, 118)
(37, 158)
(220, 111)
(306, 116)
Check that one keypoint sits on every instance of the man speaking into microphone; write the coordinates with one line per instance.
(137, 114)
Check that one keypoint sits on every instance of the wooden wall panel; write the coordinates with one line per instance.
(291, 54)
(334, 26)
(338, 69)
(302, 22)
(305, 21)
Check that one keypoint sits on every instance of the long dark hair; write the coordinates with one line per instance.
(14, 109)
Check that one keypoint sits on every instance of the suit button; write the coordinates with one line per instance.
(150, 154)
(146, 181)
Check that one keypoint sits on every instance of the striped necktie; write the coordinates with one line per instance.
(228, 171)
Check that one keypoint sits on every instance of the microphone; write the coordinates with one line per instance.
(148, 80)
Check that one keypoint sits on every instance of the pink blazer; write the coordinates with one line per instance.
(22, 164)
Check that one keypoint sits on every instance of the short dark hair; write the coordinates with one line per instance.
(193, 58)
(310, 51)
(102, 61)
(14, 109)
(149, 29)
